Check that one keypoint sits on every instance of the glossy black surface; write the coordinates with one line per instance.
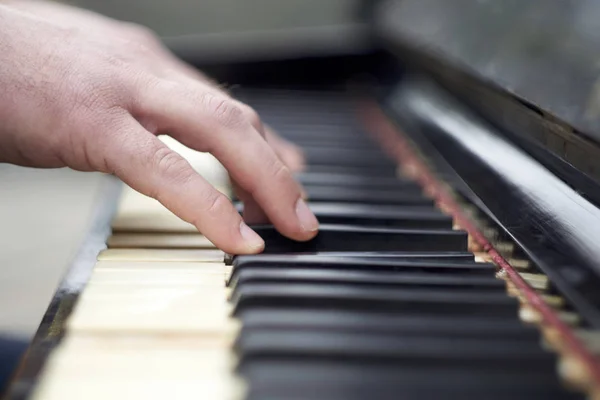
(359, 263)
(556, 226)
(332, 320)
(357, 238)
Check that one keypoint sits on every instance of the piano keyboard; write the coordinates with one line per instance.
(392, 300)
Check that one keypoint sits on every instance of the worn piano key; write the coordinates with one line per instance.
(345, 321)
(367, 279)
(398, 350)
(355, 238)
(382, 300)
(159, 240)
(139, 309)
(162, 255)
(431, 266)
(138, 367)
(332, 194)
(158, 274)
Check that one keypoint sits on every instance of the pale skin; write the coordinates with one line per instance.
(84, 91)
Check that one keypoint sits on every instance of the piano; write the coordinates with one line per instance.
(453, 166)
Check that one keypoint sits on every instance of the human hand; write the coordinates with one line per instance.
(94, 95)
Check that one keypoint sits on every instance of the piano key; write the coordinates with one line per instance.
(364, 255)
(138, 309)
(138, 367)
(344, 321)
(367, 279)
(303, 379)
(392, 255)
(159, 241)
(393, 216)
(400, 216)
(162, 255)
(355, 238)
(331, 194)
(334, 142)
(341, 297)
(349, 180)
(165, 275)
(399, 350)
(341, 157)
(385, 172)
(431, 266)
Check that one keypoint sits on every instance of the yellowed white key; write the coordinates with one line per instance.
(156, 277)
(139, 213)
(158, 310)
(159, 241)
(204, 267)
(139, 368)
(162, 255)
(204, 163)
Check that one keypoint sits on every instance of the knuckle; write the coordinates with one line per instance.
(281, 172)
(141, 34)
(218, 204)
(252, 116)
(223, 109)
(171, 165)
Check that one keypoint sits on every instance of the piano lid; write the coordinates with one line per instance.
(544, 52)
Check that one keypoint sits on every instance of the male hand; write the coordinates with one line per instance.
(86, 92)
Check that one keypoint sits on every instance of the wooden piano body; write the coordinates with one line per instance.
(452, 162)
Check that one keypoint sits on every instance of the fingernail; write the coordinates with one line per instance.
(307, 218)
(251, 238)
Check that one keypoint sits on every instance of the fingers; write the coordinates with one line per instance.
(253, 213)
(208, 121)
(146, 164)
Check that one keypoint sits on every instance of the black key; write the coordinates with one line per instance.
(431, 266)
(381, 215)
(381, 300)
(373, 255)
(342, 156)
(396, 255)
(399, 350)
(379, 172)
(348, 180)
(368, 279)
(393, 216)
(301, 380)
(354, 238)
(343, 321)
(331, 194)
(336, 142)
